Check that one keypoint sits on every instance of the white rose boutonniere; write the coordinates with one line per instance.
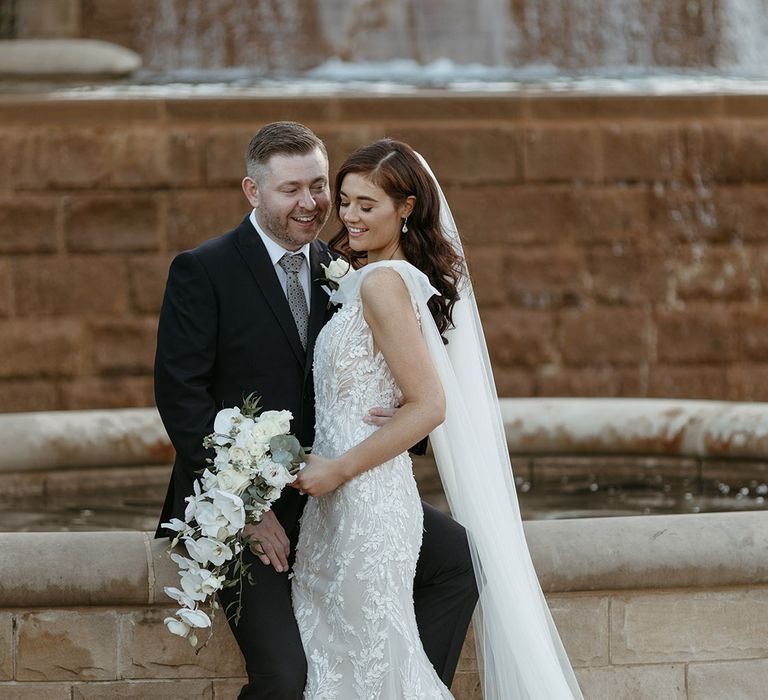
(334, 272)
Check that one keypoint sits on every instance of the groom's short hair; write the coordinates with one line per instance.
(279, 138)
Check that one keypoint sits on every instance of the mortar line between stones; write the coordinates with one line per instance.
(150, 570)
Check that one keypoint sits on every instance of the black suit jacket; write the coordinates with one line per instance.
(225, 331)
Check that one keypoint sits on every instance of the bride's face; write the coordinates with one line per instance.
(372, 218)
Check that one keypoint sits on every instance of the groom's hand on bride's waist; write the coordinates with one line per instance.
(269, 541)
(379, 416)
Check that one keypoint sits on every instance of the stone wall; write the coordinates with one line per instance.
(648, 607)
(618, 244)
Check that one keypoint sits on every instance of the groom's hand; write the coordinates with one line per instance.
(269, 541)
(379, 416)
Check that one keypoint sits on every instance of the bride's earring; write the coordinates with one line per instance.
(405, 225)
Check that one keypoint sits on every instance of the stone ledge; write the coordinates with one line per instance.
(33, 58)
(573, 556)
(254, 105)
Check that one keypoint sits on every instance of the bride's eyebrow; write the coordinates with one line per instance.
(342, 193)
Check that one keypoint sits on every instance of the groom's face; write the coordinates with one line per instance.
(292, 198)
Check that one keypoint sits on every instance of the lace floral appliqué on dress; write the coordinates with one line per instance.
(357, 551)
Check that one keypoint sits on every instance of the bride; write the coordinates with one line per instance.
(408, 334)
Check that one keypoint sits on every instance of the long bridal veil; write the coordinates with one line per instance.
(521, 656)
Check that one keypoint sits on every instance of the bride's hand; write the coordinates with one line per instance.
(319, 476)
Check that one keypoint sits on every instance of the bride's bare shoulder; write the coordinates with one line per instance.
(383, 290)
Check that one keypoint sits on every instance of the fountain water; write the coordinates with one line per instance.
(527, 37)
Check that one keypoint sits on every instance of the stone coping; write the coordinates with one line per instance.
(647, 552)
(33, 58)
(647, 427)
(222, 104)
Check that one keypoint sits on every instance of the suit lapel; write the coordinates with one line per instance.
(319, 299)
(256, 257)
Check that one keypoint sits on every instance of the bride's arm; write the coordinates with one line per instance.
(396, 333)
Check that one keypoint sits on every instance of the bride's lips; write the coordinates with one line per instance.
(356, 233)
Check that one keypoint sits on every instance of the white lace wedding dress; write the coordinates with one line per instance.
(357, 551)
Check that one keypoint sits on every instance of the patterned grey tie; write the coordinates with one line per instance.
(295, 293)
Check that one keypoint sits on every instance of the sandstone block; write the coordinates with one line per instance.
(468, 657)
(608, 215)
(28, 225)
(67, 645)
(28, 395)
(73, 568)
(39, 348)
(633, 682)
(6, 288)
(108, 223)
(466, 686)
(552, 380)
(113, 392)
(196, 216)
(643, 152)
(147, 275)
(226, 689)
(735, 680)
(67, 158)
(468, 155)
(562, 153)
(148, 650)
(144, 690)
(680, 213)
(225, 154)
(514, 382)
(609, 335)
(753, 331)
(17, 488)
(748, 382)
(694, 382)
(583, 625)
(35, 691)
(519, 337)
(714, 151)
(6, 647)
(137, 157)
(741, 212)
(340, 142)
(689, 626)
(540, 279)
(624, 275)
(72, 285)
(123, 347)
(503, 215)
(697, 334)
(185, 158)
(487, 265)
(719, 273)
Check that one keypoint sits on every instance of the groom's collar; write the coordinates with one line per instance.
(275, 250)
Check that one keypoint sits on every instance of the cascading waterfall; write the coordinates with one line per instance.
(564, 36)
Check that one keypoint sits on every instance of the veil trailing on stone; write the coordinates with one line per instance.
(520, 652)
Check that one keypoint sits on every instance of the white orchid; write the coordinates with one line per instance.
(242, 480)
(180, 597)
(207, 550)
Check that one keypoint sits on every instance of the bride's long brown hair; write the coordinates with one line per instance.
(393, 166)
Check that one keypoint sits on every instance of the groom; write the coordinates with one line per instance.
(241, 314)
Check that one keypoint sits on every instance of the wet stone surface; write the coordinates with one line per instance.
(547, 488)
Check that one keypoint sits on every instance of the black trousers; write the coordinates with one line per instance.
(444, 594)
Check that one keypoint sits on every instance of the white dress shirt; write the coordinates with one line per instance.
(276, 252)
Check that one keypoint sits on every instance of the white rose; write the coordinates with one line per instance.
(271, 423)
(336, 269)
(276, 475)
(233, 480)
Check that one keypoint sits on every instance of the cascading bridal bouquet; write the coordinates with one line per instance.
(255, 458)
